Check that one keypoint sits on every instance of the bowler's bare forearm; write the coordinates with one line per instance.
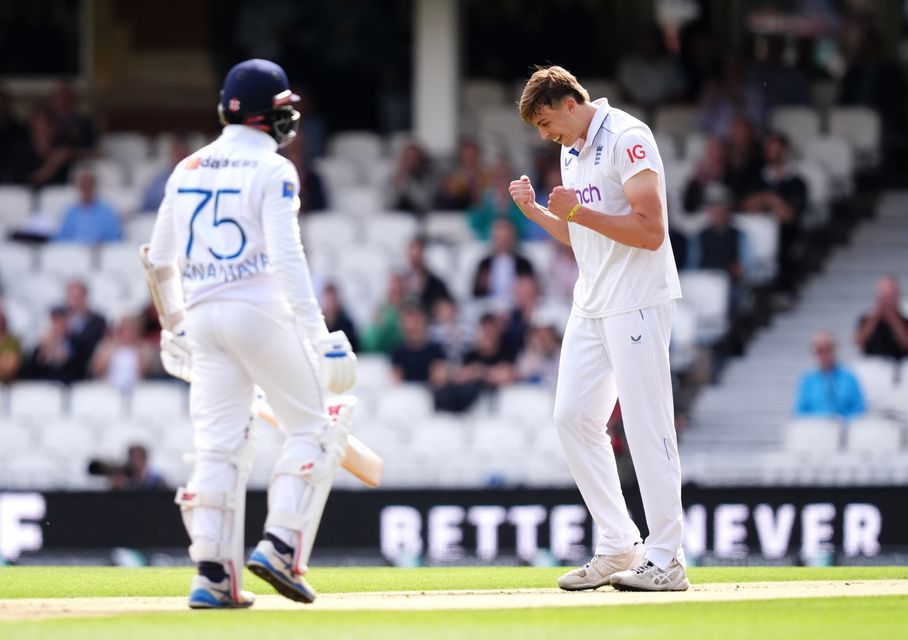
(555, 226)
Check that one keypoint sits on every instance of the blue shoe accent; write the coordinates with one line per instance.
(284, 581)
(204, 600)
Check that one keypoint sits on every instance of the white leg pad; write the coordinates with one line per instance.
(228, 550)
(318, 474)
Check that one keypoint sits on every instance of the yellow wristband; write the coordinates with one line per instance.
(573, 211)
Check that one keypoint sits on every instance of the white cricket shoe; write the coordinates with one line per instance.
(649, 577)
(276, 569)
(205, 594)
(597, 571)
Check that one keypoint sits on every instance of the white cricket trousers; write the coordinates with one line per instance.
(236, 345)
(603, 359)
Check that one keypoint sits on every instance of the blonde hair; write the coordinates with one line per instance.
(546, 87)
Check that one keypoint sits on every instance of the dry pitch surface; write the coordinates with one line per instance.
(41, 608)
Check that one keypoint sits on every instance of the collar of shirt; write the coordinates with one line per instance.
(602, 110)
(248, 135)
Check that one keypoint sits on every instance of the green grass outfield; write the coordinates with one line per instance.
(827, 618)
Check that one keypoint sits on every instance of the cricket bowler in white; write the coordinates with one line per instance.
(227, 268)
(611, 209)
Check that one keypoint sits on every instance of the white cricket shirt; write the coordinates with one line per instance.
(229, 220)
(615, 278)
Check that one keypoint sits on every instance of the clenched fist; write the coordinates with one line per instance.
(523, 194)
(561, 201)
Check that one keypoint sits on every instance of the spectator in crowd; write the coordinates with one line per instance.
(497, 272)
(72, 138)
(538, 362)
(649, 76)
(719, 245)
(134, 475)
(154, 190)
(413, 185)
(872, 81)
(89, 221)
(383, 335)
(412, 360)
(782, 193)
(123, 358)
(10, 351)
(710, 170)
(518, 321)
(698, 57)
(312, 127)
(743, 159)
(680, 247)
(728, 97)
(562, 274)
(336, 316)
(313, 195)
(44, 163)
(420, 282)
(15, 142)
(461, 186)
(491, 361)
(495, 203)
(84, 328)
(783, 81)
(830, 390)
(883, 331)
(54, 358)
(449, 329)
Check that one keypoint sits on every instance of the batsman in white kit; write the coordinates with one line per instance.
(235, 296)
(611, 209)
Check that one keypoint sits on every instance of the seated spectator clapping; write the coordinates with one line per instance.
(123, 358)
(420, 282)
(412, 360)
(413, 185)
(883, 331)
(54, 358)
(497, 272)
(830, 390)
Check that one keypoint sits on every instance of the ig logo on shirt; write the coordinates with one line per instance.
(637, 152)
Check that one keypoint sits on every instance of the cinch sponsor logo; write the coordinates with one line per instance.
(220, 163)
(588, 194)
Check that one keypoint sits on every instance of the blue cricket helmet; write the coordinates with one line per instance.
(257, 93)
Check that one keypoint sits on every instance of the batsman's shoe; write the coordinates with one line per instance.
(276, 569)
(649, 577)
(205, 594)
(597, 571)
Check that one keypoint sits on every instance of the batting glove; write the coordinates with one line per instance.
(338, 362)
(176, 355)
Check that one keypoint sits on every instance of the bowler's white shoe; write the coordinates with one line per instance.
(649, 577)
(597, 571)
(205, 594)
(276, 569)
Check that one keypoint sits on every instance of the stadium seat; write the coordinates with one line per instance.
(448, 226)
(331, 230)
(799, 124)
(36, 400)
(683, 348)
(668, 146)
(40, 291)
(437, 437)
(54, 200)
(373, 372)
(694, 146)
(66, 438)
(357, 146)
(498, 437)
(675, 120)
(860, 126)
(876, 376)
(35, 470)
(708, 294)
(390, 230)
(108, 172)
(125, 147)
(15, 259)
(875, 437)
(440, 259)
(108, 296)
(405, 403)
(762, 233)
(819, 192)
(17, 436)
(836, 156)
(142, 173)
(15, 205)
(479, 93)
(96, 400)
(528, 404)
(118, 436)
(360, 201)
(159, 400)
(122, 258)
(22, 321)
(66, 260)
(813, 437)
(137, 230)
(123, 199)
(540, 253)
